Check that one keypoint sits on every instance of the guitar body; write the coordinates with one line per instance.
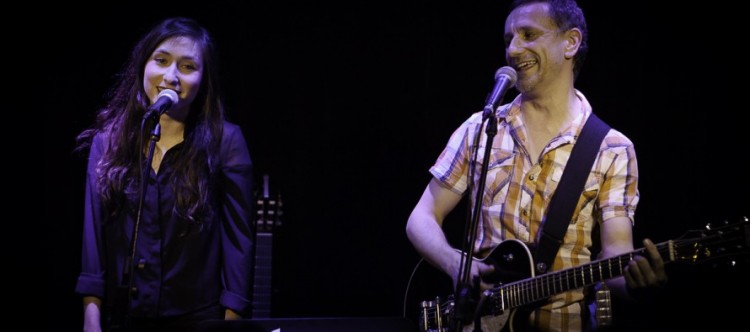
(513, 261)
(517, 292)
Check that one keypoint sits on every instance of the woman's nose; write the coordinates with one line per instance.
(171, 75)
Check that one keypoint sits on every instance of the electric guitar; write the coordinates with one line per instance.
(268, 220)
(507, 305)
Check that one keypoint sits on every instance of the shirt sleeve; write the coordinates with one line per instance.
(91, 280)
(236, 232)
(452, 165)
(619, 195)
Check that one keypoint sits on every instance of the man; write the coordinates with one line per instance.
(546, 44)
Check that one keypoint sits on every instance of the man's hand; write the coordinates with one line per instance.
(642, 274)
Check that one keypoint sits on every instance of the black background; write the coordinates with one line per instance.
(346, 105)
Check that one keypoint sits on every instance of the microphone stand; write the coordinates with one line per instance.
(465, 289)
(144, 170)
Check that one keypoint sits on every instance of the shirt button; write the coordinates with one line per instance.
(525, 213)
(141, 263)
(532, 177)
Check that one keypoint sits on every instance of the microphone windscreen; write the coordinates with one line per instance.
(508, 72)
(171, 94)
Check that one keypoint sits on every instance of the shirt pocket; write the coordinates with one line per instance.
(499, 171)
(587, 204)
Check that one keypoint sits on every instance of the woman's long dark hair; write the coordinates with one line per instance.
(119, 124)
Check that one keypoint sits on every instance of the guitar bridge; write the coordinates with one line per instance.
(435, 315)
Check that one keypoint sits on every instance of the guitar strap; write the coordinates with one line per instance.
(569, 190)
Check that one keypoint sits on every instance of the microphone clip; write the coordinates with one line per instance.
(487, 111)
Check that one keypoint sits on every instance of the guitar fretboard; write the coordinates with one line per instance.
(523, 292)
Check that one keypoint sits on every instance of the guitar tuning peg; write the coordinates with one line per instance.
(708, 226)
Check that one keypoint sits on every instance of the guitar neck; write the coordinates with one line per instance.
(262, 285)
(269, 212)
(523, 292)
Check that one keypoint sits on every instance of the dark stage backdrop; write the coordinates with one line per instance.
(346, 105)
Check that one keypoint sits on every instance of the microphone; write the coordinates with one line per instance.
(164, 102)
(505, 78)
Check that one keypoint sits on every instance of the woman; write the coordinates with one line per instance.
(186, 226)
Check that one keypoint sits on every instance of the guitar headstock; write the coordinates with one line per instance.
(268, 209)
(725, 241)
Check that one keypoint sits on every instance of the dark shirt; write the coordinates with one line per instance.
(179, 267)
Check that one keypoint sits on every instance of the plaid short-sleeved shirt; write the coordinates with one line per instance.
(518, 189)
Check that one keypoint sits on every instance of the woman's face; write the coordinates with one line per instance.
(175, 64)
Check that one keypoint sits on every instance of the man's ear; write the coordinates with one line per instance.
(572, 42)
